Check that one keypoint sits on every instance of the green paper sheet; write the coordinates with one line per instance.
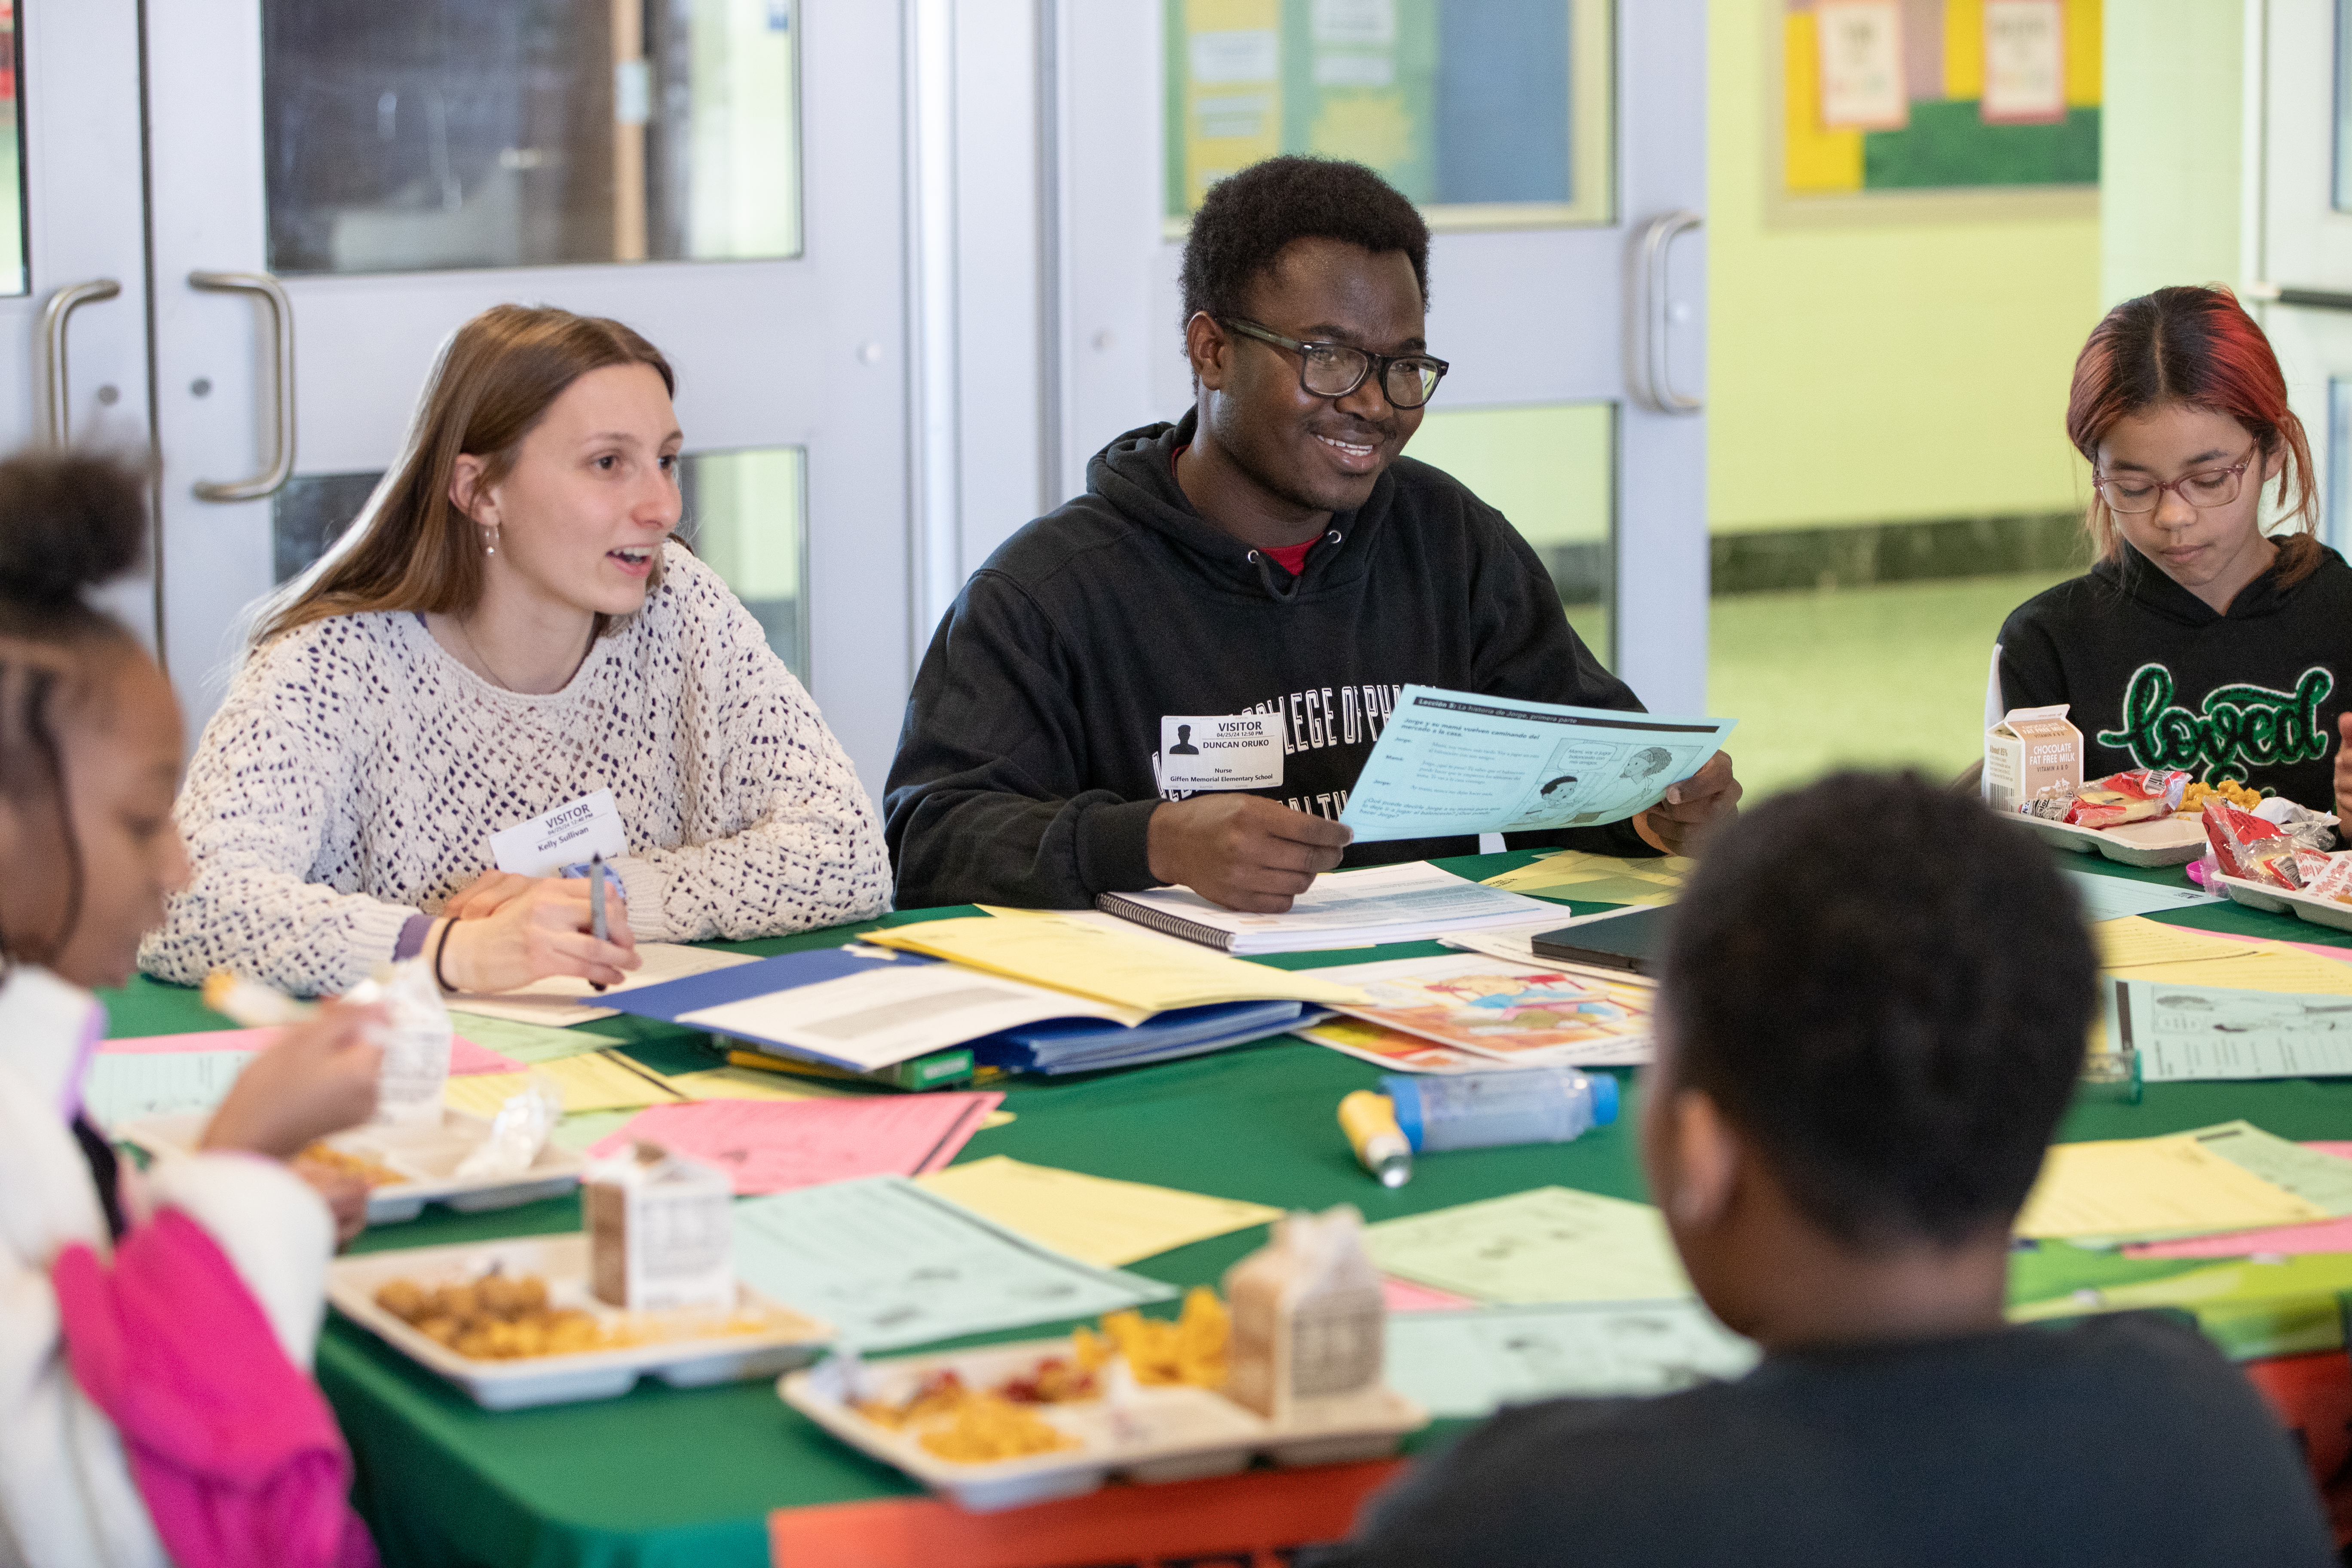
(1471, 1364)
(121, 1086)
(1548, 1244)
(888, 1264)
(531, 1044)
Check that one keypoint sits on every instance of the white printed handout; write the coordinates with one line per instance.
(1233, 751)
(564, 836)
(2180, 1033)
(1452, 764)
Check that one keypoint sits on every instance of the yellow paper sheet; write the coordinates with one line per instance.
(1598, 879)
(1131, 972)
(598, 1082)
(749, 1083)
(2134, 1186)
(1091, 1217)
(2136, 941)
(2268, 967)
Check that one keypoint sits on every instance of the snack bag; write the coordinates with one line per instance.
(1309, 1323)
(2032, 755)
(2246, 846)
(415, 1042)
(2135, 796)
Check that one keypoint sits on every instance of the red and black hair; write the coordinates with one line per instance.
(2198, 347)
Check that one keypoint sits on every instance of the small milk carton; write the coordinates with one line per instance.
(2033, 753)
(416, 1038)
(1309, 1323)
(659, 1231)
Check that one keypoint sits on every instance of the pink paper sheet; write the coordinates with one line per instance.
(1405, 1296)
(202, 1040)
(2285, 1240)
(465, 1057)
(774, 1145)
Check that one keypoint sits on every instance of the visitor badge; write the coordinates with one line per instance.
(1236, 751)
(545, 845)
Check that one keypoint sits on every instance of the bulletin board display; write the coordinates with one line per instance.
(1497, 114)
(1924, 97)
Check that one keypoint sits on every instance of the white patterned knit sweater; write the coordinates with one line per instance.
(356, 771)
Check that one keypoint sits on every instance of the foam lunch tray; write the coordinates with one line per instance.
(2284, 902)
(1148, 1433)
(427, 1157)
(2160, 841)
(685, 1349)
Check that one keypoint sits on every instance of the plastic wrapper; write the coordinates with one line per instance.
(518, 1132)
(2135, 796)
(415, 1037)
(2247, 847)
(2310, 829)
(2326, 876)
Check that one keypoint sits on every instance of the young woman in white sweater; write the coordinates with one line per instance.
(508, 628)
(199, 1286)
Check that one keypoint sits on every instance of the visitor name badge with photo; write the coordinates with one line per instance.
(1232, 751)
(545, 845)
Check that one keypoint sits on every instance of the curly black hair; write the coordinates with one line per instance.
(1887, 987)
(1249, 216)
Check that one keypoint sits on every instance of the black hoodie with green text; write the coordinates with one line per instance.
(1028, 767)
(2155, 677)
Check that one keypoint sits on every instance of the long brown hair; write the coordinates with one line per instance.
(2199, 347)
(411, 548)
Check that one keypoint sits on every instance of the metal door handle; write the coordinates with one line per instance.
(281, 337)
(63, 303)
(1648, 374)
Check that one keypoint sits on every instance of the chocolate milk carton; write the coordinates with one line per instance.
(660, 1231)
(1309, 1323)
(2033, 754)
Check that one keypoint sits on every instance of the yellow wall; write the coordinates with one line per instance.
(1870, 371)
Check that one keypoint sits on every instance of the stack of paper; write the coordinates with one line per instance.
(560, 1001)
(1344, 909)
(1016, 1000)
(1548, 1244)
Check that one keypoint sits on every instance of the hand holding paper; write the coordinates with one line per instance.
(1452, 764)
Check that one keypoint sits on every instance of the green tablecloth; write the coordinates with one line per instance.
(664, 1477)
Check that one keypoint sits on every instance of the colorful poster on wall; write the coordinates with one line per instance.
(1861, 44)
(1998, 94)
(2025, 62)
(1497, 112)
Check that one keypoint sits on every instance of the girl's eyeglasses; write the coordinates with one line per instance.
(2205, 488)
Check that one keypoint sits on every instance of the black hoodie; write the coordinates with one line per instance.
(1026, 771)
(2154, 677)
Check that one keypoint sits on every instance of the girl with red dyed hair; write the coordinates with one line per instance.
(2201, 638)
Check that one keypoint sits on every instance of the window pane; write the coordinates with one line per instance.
(1552, 470)
(2343, 105)
(742, 515)
(1486, 112)
(2336, 522)
(460, 133)
(12, 156)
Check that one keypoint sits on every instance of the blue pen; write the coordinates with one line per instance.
(596, 904)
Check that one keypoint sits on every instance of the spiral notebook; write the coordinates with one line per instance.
(1344, 909)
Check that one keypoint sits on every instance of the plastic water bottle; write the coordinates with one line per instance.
(1483, 1110)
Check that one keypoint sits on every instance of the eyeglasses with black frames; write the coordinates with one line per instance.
(1335, 370)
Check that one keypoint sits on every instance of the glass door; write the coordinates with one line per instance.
(73, 277)
(1558, 149)
(2304, 247)
(338, 184)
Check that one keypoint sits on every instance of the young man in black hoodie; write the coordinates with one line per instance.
(1269, 555)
